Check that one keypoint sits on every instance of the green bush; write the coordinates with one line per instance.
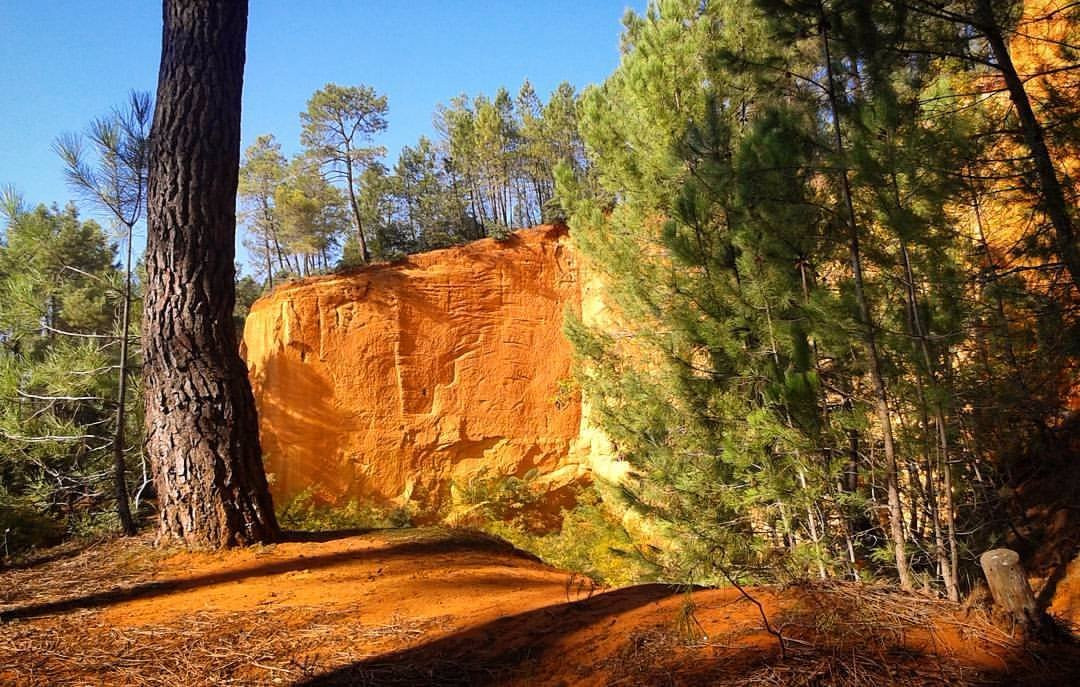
(307, 512)
(589, 540)
(487, 498)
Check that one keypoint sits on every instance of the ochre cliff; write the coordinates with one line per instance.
(392, 382)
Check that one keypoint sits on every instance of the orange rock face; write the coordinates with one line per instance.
(395, 381)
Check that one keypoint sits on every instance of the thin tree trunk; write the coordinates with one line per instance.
(354, 203)
(851, 486)
(269, 263)
(123, 507)
(916, 493)
(202, 434)
(815, 535)
(283, 263)
(952, 580)
(541, 200)
(1053, 197)
(881, 399)
(267, 230)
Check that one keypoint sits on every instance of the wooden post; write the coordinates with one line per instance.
(1009, 586)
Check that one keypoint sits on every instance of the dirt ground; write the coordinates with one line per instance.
(445, 607)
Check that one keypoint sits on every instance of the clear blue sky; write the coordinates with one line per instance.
(67, 61)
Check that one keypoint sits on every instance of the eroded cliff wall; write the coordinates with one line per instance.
(394, 381)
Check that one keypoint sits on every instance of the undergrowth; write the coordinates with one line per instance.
(589, 542)
(306, 512)
(587, 539)
(23, 527)
(583, 538)
(29, 523)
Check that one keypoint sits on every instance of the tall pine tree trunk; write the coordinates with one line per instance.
(869, 331)
(952, 583)
(269, 264)
(202, 435)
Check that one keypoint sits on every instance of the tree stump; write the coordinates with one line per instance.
(1009, 586)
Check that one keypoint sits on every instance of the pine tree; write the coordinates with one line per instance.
(262, 172)
(708, 390)
(59, 369)
(202, 434)
(779, 225)
(115, 179)
(338, 125)
(310, 214)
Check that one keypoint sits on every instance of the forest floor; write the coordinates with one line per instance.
(444, 607)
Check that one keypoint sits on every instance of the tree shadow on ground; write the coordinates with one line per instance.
(519, 650)
(413, 545)
(530, 648)
(324, 536)
(496, 651)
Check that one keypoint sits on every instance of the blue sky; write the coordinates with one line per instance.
(67, 61)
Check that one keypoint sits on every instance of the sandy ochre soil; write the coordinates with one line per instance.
(444, 607)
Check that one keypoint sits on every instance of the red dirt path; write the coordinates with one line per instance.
(416, 607)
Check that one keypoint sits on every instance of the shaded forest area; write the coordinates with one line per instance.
(839, 235)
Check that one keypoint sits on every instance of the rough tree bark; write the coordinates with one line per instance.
(201, 430)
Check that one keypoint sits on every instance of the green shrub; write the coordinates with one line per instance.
(307, 512)
(589, 540)
(487, 498)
